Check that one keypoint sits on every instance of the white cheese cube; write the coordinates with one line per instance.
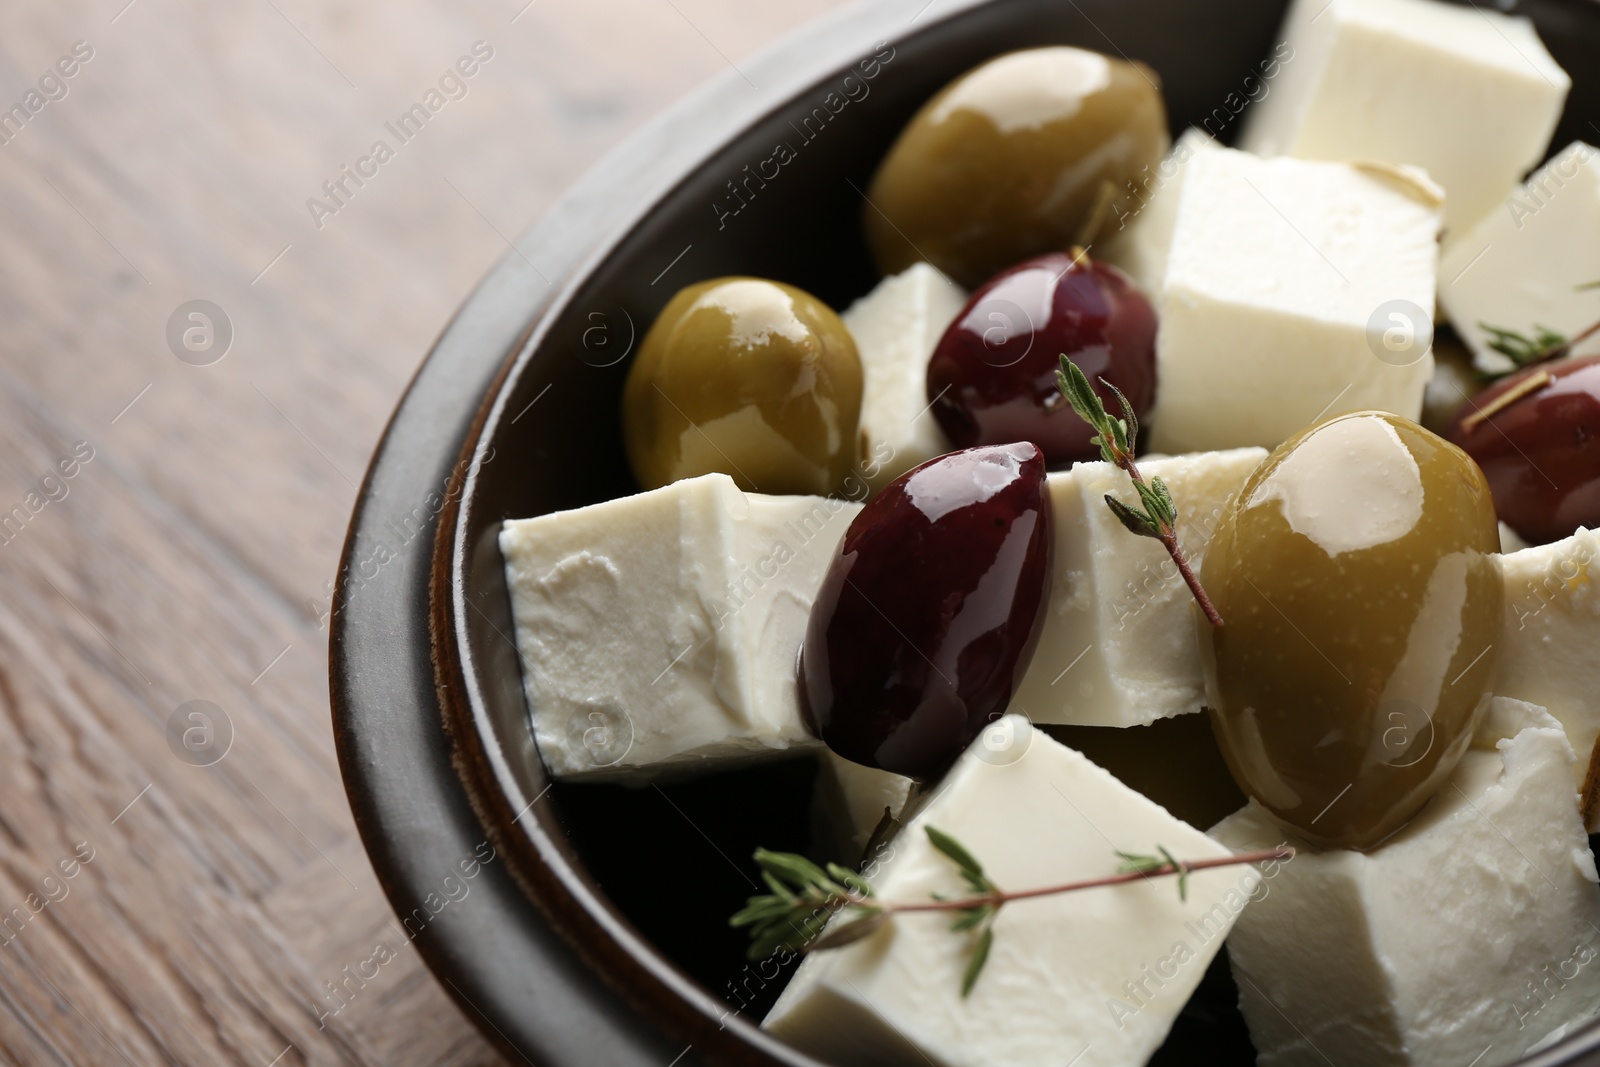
(1465, 938)
(1278, 271)
(1520, 266)
(850, 801)
(1139, 239)
(1098, 974)
(1463, 91)
(896, 328)
(1510, 540)
(1118, 645)
(1550, 640)
(660, 631)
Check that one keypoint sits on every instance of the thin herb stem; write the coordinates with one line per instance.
(790, 917)
(1582, 337)
(1562, 349)
(1169, 539)
(1545, 347)
(1117, 438)
(999, 897)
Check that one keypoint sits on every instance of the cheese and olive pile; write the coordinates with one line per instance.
(880, 539)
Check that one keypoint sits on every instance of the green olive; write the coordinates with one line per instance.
(1361, 610)
(1015, 158)
(750, 378)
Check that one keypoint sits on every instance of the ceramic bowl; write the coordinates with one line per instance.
(561, 944)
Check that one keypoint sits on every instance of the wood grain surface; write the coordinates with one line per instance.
(181, 882)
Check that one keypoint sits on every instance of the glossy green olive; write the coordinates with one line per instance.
(1361, 608)
(1013, 158)
(750, 378)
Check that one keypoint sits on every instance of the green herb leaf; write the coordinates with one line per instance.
(1116, 439)
(1074, 385)
(1109, 433)
(1183, 873)
(796, 870)
(803, 898)
(956, 852)
(846, 877)
(760, 910)
(1161, 504)
(779, 890)
(1135, 521)
(1522, 349)
(810, 909)
(792, 934)
(980, 956)
(1586, 286)
(1130, 422)
(1133, 862)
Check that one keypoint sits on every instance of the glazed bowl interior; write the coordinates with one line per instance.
(548, 437)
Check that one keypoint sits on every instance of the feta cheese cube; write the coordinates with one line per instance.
(660, 631)
(850, 801)
(1463, 91)
(1521, 264)
(1510, 540)
(1118, 644)
(1277, 273)
(1551, 635)
(896, 328)
(1465, 938)
(1098, 974)
(1141, 238)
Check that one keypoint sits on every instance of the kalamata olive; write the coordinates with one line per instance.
(1536, 434)
(992, 378)
(930, 610)
(1361, 600)
(1012, 159)
(746, 377)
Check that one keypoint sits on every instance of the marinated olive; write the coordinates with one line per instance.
(930, 611)
(1536, 434)
(1361, 600)
(747, 377)
(992, 378)
(1014, 158)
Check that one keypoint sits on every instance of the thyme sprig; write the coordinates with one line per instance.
(1158, 515)
(1135, 863)
(976, 918)
(1543, 345)
(805, 896)
(1524, 350)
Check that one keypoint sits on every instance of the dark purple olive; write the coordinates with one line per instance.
(930, 611)
(992, 378)
(1536, 434)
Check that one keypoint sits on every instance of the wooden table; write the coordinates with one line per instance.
(179, 881)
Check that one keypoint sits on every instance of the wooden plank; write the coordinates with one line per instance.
(223, 912)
